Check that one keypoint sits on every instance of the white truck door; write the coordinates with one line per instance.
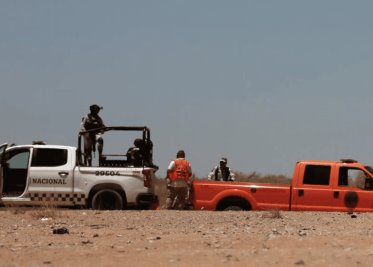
(51, 175)
(14, 169)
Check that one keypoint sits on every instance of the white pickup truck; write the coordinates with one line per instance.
(41, 174)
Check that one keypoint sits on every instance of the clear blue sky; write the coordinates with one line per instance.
(263, 83)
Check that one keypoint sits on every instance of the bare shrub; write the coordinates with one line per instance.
(15, 209)
(47, 210)
(258, 178)
(160, 190)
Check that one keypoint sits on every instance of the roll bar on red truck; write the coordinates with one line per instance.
(344, 185)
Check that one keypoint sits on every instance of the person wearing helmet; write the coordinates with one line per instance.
(221, 172)
(92, 127)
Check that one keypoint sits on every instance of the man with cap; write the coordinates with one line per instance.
(178, 182)
(92, 125)
(221, 172)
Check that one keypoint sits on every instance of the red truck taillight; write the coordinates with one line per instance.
(147, 178)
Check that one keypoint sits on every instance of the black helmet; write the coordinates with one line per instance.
(95, 108)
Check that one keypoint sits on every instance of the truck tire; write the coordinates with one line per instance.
(351, 199)
(233, 204)
(107, 199)
(233, 208)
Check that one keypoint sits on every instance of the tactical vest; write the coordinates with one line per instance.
(93, 122)
(181, 171)
(224, 173)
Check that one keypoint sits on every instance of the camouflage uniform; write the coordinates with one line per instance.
(221, 172)
(90, 122)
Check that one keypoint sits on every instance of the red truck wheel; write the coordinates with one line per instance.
(233, 203)
(233, 208)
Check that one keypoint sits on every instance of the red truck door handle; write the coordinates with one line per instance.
(336, 194)
(300, 192)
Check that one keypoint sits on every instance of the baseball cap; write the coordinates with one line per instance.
(224, 160)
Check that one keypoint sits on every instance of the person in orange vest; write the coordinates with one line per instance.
(178, 182)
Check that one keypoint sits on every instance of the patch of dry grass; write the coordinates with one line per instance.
(47, 210)
(258, 178)
(15, 209)
(272, 214)
(160, 190)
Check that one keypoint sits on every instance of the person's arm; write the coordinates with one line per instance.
(211, 175)
(102, 124)
(232, 176)
(189, 182)
(190, 170)
(82, 124)
(170, 168)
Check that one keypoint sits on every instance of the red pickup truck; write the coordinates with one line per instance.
(344, 185)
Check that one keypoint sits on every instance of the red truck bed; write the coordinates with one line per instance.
(213, 195)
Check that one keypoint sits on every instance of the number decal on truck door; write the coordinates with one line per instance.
(107, 173)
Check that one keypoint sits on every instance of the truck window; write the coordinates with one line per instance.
(15, 168)
(351, 177)
(18, 159)
(48, 157)
(317, 175)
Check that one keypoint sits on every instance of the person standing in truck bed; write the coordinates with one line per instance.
(89, 123)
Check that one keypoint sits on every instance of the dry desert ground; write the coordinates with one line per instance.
(29, 237)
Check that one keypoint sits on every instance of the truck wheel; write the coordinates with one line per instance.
(351, 199)
(107, 199)
(233, 208)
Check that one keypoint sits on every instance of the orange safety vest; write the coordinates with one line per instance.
(181, 171)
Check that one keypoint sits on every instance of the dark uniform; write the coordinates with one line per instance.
(89, 123)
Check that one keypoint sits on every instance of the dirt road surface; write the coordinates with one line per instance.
(184, 238)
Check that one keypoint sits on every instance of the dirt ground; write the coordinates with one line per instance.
(184, 238)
